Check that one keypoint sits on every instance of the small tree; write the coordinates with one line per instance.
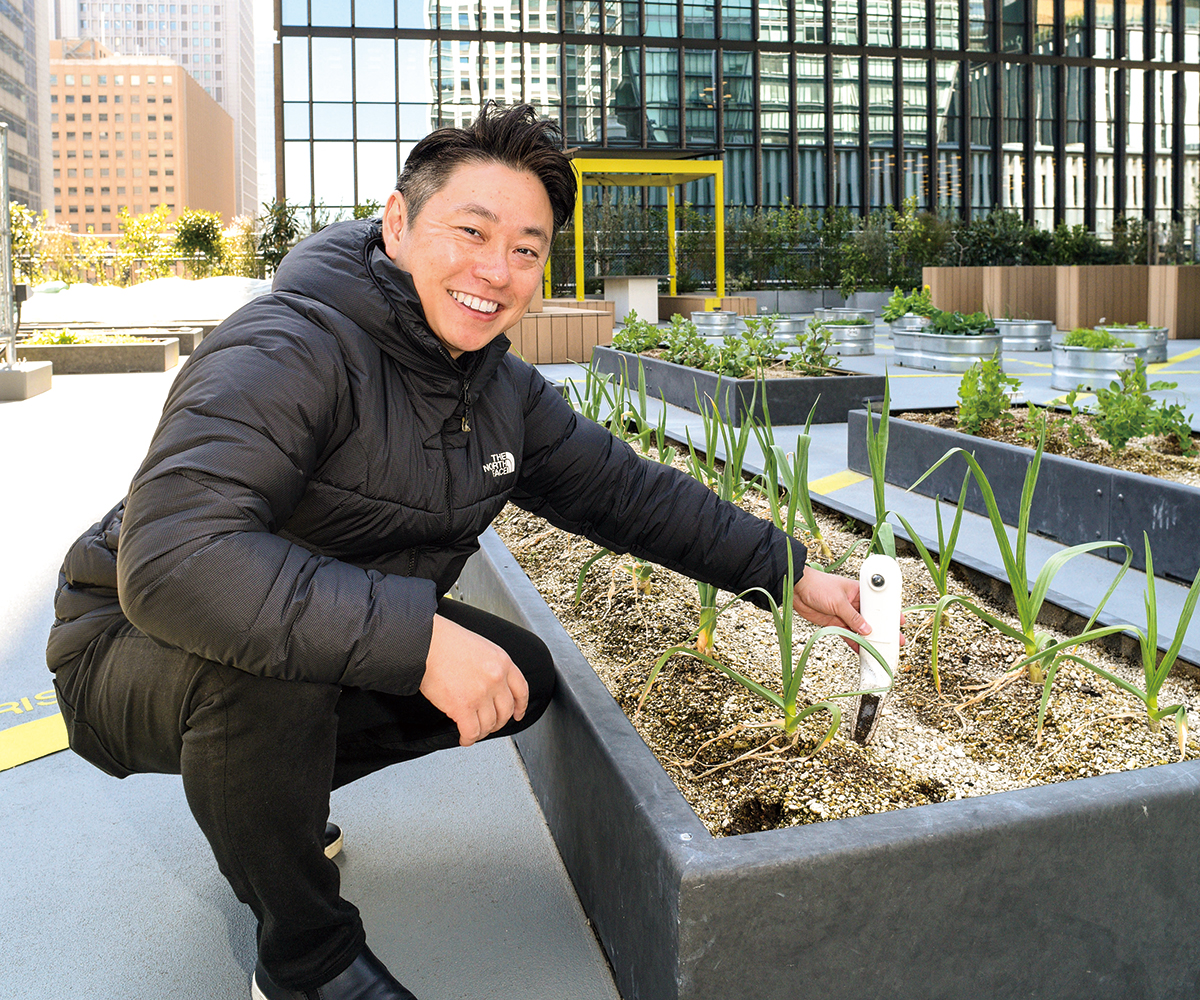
(198, 241)
(368, 209)
(142, 242)
(29, 263)
(279, 233)
(239, 249)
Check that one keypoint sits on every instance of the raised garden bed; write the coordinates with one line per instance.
(942, 352)
(1025, 334)
(1073, 367)
(150, 355)
(1075, 502)
(788, 399)
(1085, 885)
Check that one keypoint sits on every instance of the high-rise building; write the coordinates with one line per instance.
(1071, 111)
(133, 133)
(24, 53)
(214, 42)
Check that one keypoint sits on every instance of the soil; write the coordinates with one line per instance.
(1151, 456)
(777, 370)
(713, 737)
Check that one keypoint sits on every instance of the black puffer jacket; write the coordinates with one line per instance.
(323, 468)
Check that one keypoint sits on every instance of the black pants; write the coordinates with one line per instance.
(259, 758)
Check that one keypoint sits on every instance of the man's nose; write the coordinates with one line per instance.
(492, 265)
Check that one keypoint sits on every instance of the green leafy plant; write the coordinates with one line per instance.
(791, 667)
(1154, 670)
(984, 394)
(966, 324)
(789, 470)
(684, 345)
(1028, 601)
(636, 334)
(919, 302)
(198, 241)
(142, 246)
(1094, 340)
(747, 352)
(280, 231)
(882, 536)
(811, 350)
(729, 483)
(1044, 421)
(64, 337)
(1125, 410)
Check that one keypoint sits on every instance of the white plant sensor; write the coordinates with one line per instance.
(879, 601)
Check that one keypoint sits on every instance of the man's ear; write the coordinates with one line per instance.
(395, 215)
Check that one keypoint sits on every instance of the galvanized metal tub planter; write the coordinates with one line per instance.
(148, 355)
(789, 399)
(1092, 369)
(850, 340)
(832, 314)
(1025, 334)
(715, 321)
(1154, 339)
(1082, 890)
(943, 352)
(1075, 502)
(787, 327)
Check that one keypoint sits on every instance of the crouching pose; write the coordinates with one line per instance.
(265, 614)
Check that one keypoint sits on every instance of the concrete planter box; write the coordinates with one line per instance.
(189, 337)
(157, 355)
(1081, 890)
(1025, 334)
(1075, 502)
(942, 352)
(789, 399)
(1153, 339)
(1081, 366)
(24, 379)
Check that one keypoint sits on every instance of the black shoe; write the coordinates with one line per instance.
(366, 979)
(333, 840)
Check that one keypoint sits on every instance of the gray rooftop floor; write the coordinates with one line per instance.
(112, 891)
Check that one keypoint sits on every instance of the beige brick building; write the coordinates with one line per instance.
(134, 132)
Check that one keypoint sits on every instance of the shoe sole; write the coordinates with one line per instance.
(332, 851)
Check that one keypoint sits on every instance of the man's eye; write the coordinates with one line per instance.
(469, 231)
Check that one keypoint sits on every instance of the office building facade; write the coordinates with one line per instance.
(24, 54)
(1076, 111)
(133, 133)
(213, 42)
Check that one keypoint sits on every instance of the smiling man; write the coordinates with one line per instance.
(265, 613)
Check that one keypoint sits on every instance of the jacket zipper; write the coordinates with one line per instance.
(466, 398)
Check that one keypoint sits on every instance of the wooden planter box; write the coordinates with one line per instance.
(1074, 502)
(789, 399)
(1029, 292)
(158, 355)
(955, 289)
(1082, 890)
(685, 305)
(1115, 293)
(1174, 300)
(556, 335)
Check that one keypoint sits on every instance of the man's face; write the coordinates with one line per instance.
(475, 251)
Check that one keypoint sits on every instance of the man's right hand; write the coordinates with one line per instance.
(473, 681)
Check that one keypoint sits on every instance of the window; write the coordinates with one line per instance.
(86, 117)
(86, 98)
(72, 191)
(102, 99)
(71, 117)
(87, 136)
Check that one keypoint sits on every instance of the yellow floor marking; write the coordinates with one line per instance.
(31, 740)
(827, 484)
(1185, 356)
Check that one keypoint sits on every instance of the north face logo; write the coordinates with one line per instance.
(501, 464)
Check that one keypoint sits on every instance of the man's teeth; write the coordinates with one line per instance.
(471, 302)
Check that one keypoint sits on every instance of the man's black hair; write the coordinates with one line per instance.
(515, 137)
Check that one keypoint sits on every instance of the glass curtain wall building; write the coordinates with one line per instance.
(1076, 111)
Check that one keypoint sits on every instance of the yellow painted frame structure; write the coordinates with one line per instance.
(668, 174)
